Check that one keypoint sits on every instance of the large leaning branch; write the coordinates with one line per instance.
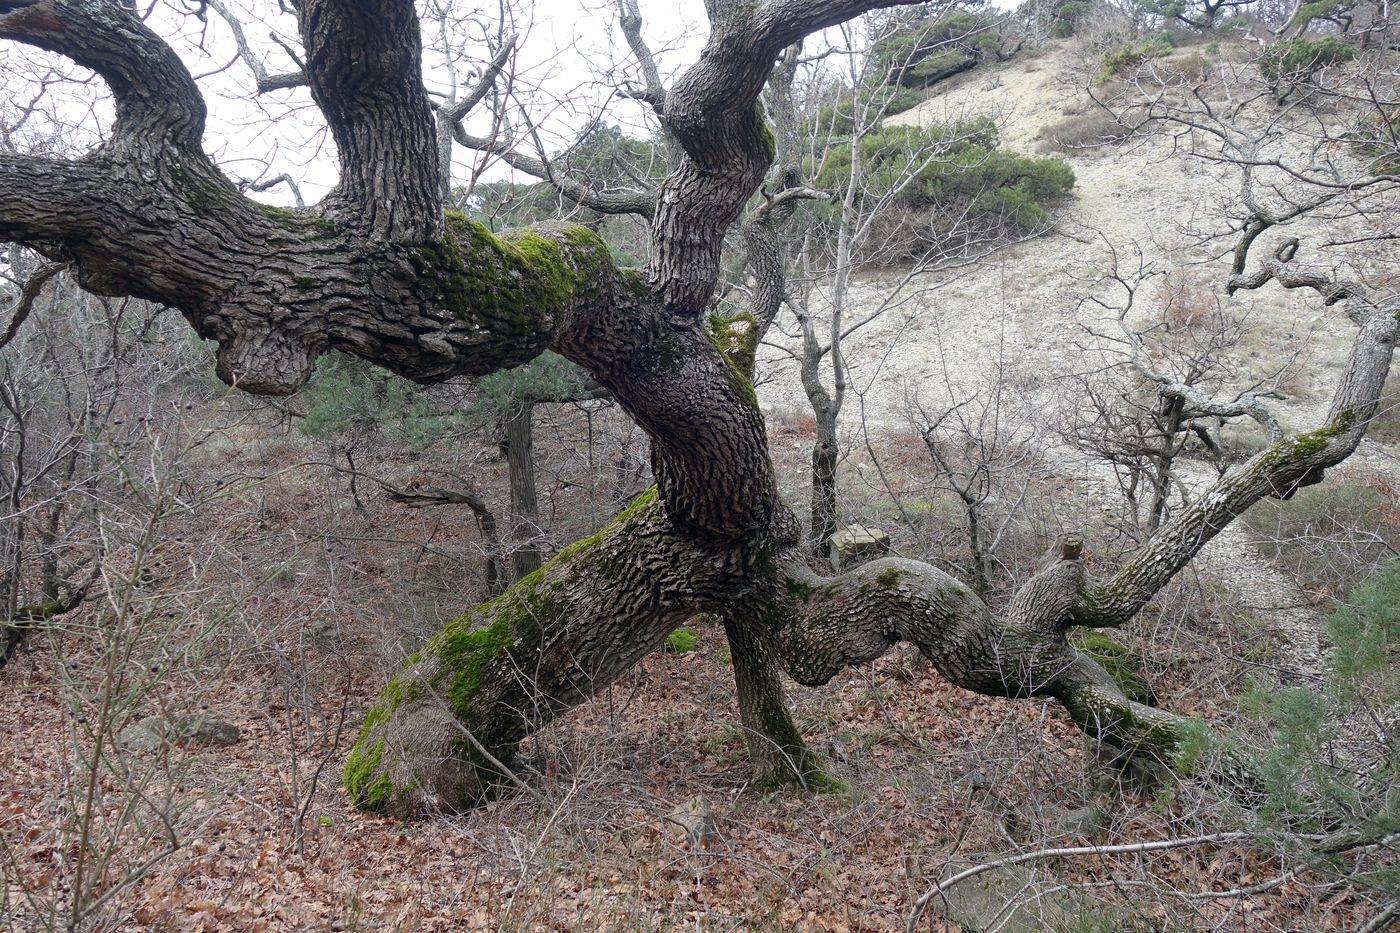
(157, 102)
(1279, 470)
(712, 112)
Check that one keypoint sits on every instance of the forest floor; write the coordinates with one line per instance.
(935, 777)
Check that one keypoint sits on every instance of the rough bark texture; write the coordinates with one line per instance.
(379, 271)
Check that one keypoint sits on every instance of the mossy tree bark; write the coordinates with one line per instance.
(378, 270)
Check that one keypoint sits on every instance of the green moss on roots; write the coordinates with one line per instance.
(889, 578)
(468, 645)
(1122, 664)
(360, 768)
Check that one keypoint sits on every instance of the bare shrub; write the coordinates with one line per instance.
(1333, 536)
(1186, 298)
(1107, 30)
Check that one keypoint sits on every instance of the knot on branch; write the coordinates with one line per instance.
(1046, 603)
(1279, 269)
(266, 362)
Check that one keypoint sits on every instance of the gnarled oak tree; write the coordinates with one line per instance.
(378, 269)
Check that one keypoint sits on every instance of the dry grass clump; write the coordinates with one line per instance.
(1078, 133)
(1193, 68)
(1385, 427)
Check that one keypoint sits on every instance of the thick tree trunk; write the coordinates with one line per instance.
(478, 687)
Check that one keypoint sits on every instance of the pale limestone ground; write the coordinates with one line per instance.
(1024, 307)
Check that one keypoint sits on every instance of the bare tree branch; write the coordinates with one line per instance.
(264, 82)
(24, 304)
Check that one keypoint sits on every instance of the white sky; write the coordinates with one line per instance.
(572, 58)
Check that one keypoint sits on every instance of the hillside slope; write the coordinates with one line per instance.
(1027, 310)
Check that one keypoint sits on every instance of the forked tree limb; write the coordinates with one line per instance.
(158, 104)
(629, 17)
(15, 630)
(712, 112)
(263, 80)
(378, 270)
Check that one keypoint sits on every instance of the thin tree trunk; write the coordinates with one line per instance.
(526, 553)
(981, 556)
(825, 517)
(779, 754)
(1162, 472)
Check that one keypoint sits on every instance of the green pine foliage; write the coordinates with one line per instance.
(1067, 15)
(834, 117)
(1299, 59)
(1060, 19)
(1203, 16)
(919, 52)
(1321, 9)
(347, 396)
(1122, 60)
(547, 378)
(1366, 632)
(955, 168)
(1333, 766)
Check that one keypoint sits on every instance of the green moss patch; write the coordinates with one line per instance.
(736, 339)
(682, 641)
(1122, 663)
(516, 282)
